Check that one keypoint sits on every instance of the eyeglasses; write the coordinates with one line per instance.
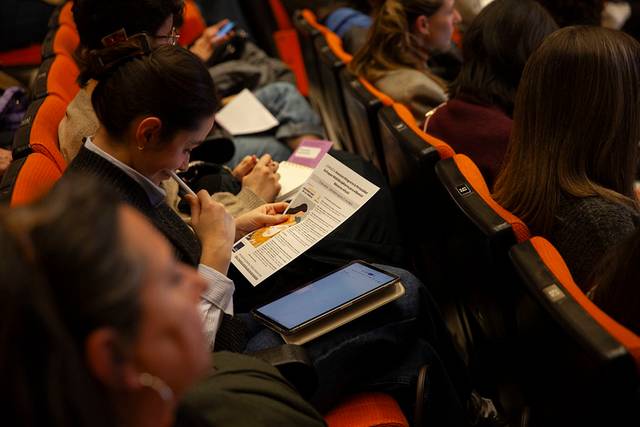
(172, 38)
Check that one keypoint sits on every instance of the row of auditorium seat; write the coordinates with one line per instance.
(508, 297)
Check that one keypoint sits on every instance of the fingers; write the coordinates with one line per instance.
(264, 160)
(194, 204)
(276, 208)
(272, 219)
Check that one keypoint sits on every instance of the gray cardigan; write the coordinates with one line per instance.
(413, 88)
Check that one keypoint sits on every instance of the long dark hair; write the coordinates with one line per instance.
(65, 272)
(168, 82)
(576, 127)
(496, 47)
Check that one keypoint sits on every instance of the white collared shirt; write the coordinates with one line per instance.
(218, 297)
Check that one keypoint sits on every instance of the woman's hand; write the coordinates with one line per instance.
(269, 214)
(244, 167)
(263, 179)
(209, 41)
(5, 160)
(215, 228)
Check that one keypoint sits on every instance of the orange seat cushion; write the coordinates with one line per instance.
(43, 137)
(382, 97)
(335, 44)
(554, 262)
(406, 116)
(66, 41)
(66, 16)
(474, 177)
(193, 24)
(62, 76)
(312, 20)
(367, 410)
(36, 177)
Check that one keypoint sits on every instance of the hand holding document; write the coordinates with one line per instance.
(245, 114)
(329, 197)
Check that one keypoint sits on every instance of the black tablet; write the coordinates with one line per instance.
(319, 299)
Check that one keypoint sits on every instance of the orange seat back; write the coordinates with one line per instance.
(193, 23)
(60, 40)
(367, 410)
(57, 76)
(29, 178)
(406, 116)
(576, 365)
(66, 15)
(476, 180)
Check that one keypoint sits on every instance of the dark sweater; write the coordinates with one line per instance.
(185, 242)
(586, 228)
(478, 131)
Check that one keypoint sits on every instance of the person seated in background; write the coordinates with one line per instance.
(97, 20)
(100, 326)
(476, 121)
(569, 169)
(350, 20)
(403, 35)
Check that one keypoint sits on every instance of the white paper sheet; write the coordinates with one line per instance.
(329, 197)
(245, 114)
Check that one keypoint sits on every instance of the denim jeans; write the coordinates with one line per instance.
(296, 118)
(382, 350)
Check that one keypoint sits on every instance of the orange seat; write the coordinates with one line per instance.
(20, 57)
(57, 75)
(193, 23)
(468, 257)
(28, 178)
(66, 15)
(577, 365)
(62, 40)
(367, 410)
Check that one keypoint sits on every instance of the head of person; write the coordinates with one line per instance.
(99, 320)
(96, 19)
(155, 105)
(615, 283)
(403, 34)
(576, 127)
(575, 12)
(496, 47)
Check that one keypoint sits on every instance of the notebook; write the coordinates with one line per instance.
(295, 171)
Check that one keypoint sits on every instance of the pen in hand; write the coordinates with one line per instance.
(181, 183)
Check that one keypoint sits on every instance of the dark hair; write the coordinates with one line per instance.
(170, 83)
(96, 19)
(391, 44)
(615, 280)
(576, 127)
(65, 272)
(574, 12)
(496, 48)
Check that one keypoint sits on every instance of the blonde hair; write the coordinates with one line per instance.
(392, 45)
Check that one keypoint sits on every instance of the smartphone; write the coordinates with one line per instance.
(320, 298)
(225, 29)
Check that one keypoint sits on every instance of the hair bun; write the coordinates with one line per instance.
(101, 62)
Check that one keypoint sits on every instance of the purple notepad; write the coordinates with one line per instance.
(310, 152)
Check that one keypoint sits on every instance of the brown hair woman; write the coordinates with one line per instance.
(571, 162)
(395, 56)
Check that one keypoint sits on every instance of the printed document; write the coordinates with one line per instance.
(329, 197)
(245, 114)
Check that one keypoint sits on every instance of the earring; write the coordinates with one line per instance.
(157, 385)
(140, 147)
